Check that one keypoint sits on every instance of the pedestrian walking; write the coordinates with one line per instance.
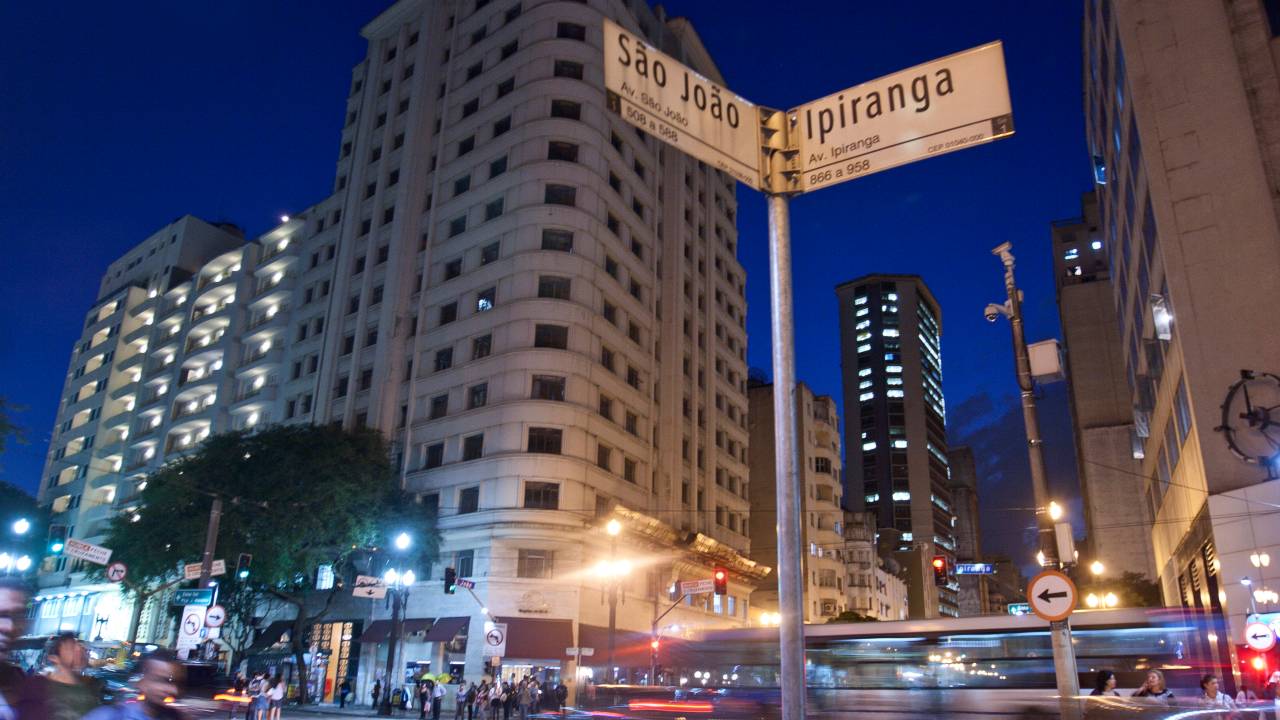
(1246, 694)
(460, 701)
(258, 705)
(1212, 698)
(376, 691)
(436, 697)
(562, 696)
(424, 698)
(508, 699)
(343, 691)
(1104, 683)
(1154, 689)
(496, 698)
(524, 698)
(470, 700)
(275, 697)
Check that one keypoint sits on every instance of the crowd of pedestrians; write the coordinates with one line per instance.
(1211, 697)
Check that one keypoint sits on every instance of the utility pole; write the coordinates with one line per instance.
(1064, 655)
(210, 541)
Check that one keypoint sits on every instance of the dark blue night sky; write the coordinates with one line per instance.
(116, 119)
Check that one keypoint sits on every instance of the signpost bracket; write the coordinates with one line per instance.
(779, 147)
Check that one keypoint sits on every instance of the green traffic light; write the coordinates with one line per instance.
(56, 547)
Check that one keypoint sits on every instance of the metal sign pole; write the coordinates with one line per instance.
(786, 463)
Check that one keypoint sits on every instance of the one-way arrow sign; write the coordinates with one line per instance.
(1052, 595)
(1046, 596)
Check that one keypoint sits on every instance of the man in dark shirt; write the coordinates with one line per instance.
(71, 694)
(160, 684)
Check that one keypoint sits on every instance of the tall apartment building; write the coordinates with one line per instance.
(539, 305)
(972, 592)
(1117, 526)
(891, 360)
(817, 428)
(1180, 110)
(557, 318)
(191, 335)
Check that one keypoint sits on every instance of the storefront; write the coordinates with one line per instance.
(536, 648)
(330, 656)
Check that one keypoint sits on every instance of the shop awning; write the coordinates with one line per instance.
(446, 628)
(537, 638)
(271, 635)
(376, 632)
(417, 625)
(379, 630)
(631, 648)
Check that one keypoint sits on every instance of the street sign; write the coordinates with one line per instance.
(1259, 636)
(579, 651)
(215, 616)
(975, 569)
(660, 95)
(462, 583)
(697, 587)
(87, 551)
(1018, 608)
(117, 571)
(1051, 595)
(191, 571)
(941, 106)
(194, 596)
(495, 640)
(190, 628)
(368, 586)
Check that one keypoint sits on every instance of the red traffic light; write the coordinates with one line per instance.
(720, 575)
(940, 570)
(654, 645)
(721, 579)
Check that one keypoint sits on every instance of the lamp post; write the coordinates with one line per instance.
(613, 571)
(398, 583)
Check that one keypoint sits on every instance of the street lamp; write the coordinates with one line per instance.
(1097, 568)
(398, 583)
(1055, 511)
(613, 571)
(1259, 559)
(21, 526)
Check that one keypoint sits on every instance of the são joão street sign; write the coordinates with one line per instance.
(665, 98)
(941, 106)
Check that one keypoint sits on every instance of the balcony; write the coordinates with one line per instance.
(205, 341)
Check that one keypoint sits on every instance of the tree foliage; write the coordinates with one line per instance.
(850, 616)
(17, 503)
(9, 429)
(1133, 589)
(294, 497)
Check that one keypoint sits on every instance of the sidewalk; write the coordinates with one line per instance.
(334, 711)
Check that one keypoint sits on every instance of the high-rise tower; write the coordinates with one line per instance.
(895, 417)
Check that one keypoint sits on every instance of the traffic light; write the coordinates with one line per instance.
(654, 645)
(57, 539)
(721, 579)
(673, 591)
(242, 566)
(940, 570)
(450, 580)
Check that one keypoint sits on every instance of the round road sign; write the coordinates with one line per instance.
(1259, 636)
(1052, 595)
(215, 616)
(116, 571)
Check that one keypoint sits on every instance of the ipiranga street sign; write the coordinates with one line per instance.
(941, 106)
(660, 95)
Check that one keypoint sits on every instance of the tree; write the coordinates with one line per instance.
(851, 616)
(1131, 588)
(15, 504)
(9, 428)
(295, 497)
